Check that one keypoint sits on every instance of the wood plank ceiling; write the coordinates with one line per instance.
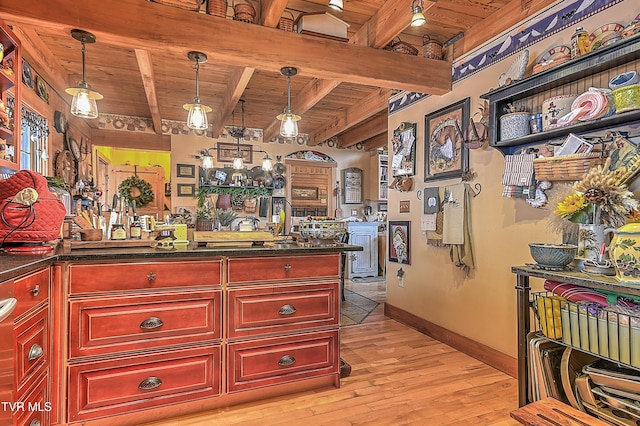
(140, 64)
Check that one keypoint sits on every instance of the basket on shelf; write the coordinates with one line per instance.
(217, 8)
(244, 12)
(400, 46)
(286, 22)
(566, 167)
(431, 49)
(193, 5)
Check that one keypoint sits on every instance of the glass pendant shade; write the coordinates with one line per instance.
(83, 104)
(336, 5)
(207, 161)
(267, 164)
(197, 117)
(238, 163)
(289, 120)
(417, 9)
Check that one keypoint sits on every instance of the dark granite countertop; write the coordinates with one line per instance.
(12, 265)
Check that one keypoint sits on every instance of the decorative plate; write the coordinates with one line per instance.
(279, 182)
(595, 38)
(516, 70)
(27, 77)
(60, 122)
(73, 146)
(65, 167)
(554, 54)
(41, 89)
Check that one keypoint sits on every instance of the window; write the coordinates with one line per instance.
(34, 142)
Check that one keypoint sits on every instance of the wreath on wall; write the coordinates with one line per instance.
(141, 186)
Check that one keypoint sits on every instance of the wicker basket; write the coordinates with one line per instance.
(286, 23)
(244, 12)
(431, 49)
(566, 167)
(193, 5)
(402, 47)
(217, 8)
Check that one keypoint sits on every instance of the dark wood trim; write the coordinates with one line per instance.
(131, 140)
(489, 356)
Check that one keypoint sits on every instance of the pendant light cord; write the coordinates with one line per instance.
(197, 79)
(84, 76)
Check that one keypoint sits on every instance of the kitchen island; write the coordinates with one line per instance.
(132, 335)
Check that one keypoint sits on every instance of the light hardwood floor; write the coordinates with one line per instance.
(399, 377)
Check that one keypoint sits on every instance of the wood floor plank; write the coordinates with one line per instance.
(399, 377)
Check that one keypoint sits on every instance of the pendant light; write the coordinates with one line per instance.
(336, 5)
(238, 132)
(206, 159)
(197, 118)
(289, 120)
(417, 9)
(267, 163)
(84, 99)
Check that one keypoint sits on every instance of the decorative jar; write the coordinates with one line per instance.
(514, 125)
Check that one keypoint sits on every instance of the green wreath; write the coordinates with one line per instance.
(146, 192)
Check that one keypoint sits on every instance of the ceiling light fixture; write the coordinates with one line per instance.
(206, 159)
(197, 118)
(84, 99)
(238, 132)
(417, 9)
(289, 120)
(336, 5)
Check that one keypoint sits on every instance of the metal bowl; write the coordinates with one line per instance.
(553, 255)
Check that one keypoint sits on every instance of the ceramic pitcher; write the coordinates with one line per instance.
(625, 253)
(591, 239)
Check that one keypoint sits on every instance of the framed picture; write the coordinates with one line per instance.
(226, 152)
(186, 189)
(399, 233)
(445, 153)
(185, 170)
(405, 206)
(403, 141)
(298, 193)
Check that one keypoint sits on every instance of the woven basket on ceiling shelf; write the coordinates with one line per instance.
(244, 12)
(431, 48)
(566, 167)
(400, 46)
(217, 8)
(286, 22)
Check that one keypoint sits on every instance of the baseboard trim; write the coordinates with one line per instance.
(489, 356)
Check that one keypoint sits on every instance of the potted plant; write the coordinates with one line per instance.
(204, 218)
(225, 218)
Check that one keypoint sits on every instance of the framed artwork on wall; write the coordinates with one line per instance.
(403, 142)
(226, 152)
(185, 170)
(399, 244)
(446, 156)
(186, 189)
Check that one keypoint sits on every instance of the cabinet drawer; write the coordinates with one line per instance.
(114, 277)
(274, 268)
(146, 321)
(269, 309)
(109, 387)
(265, 362)
(37, 406)
(31, 290)
(32, 346)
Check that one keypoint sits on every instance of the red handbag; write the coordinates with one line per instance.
(27, 216)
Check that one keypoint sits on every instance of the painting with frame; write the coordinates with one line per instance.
(227, 151)
(446, 155)
(403, 142)
(399, 241)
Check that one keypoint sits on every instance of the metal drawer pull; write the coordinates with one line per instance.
(287, 360)
(151, 323)
(150, 383)
(287, 310)
(35, 422)
(151, 276)
(287, 267)
(36, 290)
(35, 352)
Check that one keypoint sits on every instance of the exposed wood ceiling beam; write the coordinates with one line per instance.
(235, 88)
(149, 82)
(371, 128)
(41, 58)
(376, 141)
(354, 115)
(389, 21)
(120, 139)
(146, 25)
(504, 18)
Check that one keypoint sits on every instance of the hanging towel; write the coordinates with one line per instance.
(462, 254)
(431, 200)
(454, 205)
(518, 170)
